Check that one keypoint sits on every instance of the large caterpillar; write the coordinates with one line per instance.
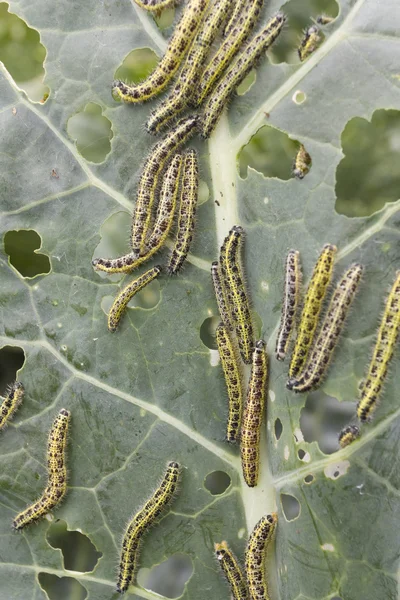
(11, 402)
(232, 571)
(233, 382)
(290, 303)
(256, 551)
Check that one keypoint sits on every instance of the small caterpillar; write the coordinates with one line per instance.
(255, 556)
(348, 435)
(232, 571)
(290, 304)
(241, 30)
(329, 334)
(233, 382)
(237, 72)
(184, 87)
(236, 293)
(156, 5)
(179, 43)
(122, 299)
(324, 20)
(220, 295)
(57, 473)
(142, 521)
(253, 414)
(162, 226)
(383, 351)
(187, 212)
(302, 163)
(309, 43)
(148, 183)
(314, 299)
(11, 402)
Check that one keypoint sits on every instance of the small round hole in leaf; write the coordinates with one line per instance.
(217, 482)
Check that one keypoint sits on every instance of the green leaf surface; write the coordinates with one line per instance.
(153, 391)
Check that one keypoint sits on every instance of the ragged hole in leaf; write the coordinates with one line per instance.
(21, 246)
(278, 428)
(78, 551)
(204, 192)
(137, 65)
(247, 83)
(290, 507)
(147, 298)
(207, 332)
(12, 359)
(22, 54)
(165, 18)
(309, 479)
(368, 175)
(217, 482)
(169, 578)
(61, 588)
(270, 152)
(92, 133)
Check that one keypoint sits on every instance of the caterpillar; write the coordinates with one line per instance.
(302, 163)
(148, 183)
(233, 382)
(179, 43)
(156, 5)
(229, 47)
(324, 20)
(234, 17)
(290, 304)
(309, 43)
(184, 87)
(11, 402)
(255, 555)
(388, 333)
(187, 212)
(329, 334)
(122, 299)
(232, 571)
(314, 299)
(220, 295)
(237, 72)
(253, 414)
(348, 435)
(142, 521)
(57, 473)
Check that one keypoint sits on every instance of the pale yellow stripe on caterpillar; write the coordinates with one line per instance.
(11, 402)
(242, 65)
(187, 212)
(253, 415)
(142, 521)
(232, 571)
(57, 473)
(388, 334)
(348, 435)
(228, 49)
(184, 88)
(121, 301)
(255, 556)
(179, 43)
(155, 163)
(236, 292)
(237, 10)
(220, 295)
(309, 43)
(156, 5)
(312, 306)
(290, 303)
(331, 328)
(230, 367)
(302, 163)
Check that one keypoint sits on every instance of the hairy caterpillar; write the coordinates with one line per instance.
(184, 87)
(253, 414)
(11, 402)
(236, 293)
(309, 43)
(179, 43)
(57, 473)
(187, 212)
(232, 571)
(329, 334)
(255, 556)
(156, 5)
(122, 299)
(302, 163)
(237, 72)
(241, 30)
(234, 17)
(383, 351)
(348, 435)
(220, 295)
(233, 382)
(314, 299)
(142, 521)
(290, 304)
(324, 20)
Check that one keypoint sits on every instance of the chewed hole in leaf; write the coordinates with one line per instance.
(204, 192)
(169, 578)
(308, 479)
(299, 97)
(137, 65)
(270, 152)
(207, 332)
(217, 482)
(247, 83)
(290, 507)
(22, 54)
(165, 18)
(92, 133)
(147, 298)
(368, 175)
(61, 588)
(12, 359)
(114, 240)
(79, 552)
(336, 470)
(22, 246)
(278, 428)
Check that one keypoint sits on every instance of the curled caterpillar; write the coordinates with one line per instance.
(348, 435)
(302, 163)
